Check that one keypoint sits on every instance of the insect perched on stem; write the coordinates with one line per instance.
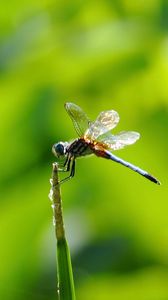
(95, 138)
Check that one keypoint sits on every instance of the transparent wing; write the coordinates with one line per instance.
(78, 117)
(105, 121)
(119, 141)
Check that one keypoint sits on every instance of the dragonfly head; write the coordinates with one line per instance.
(59, 149)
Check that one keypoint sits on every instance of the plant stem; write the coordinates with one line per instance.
(66, 290)
(57, 205)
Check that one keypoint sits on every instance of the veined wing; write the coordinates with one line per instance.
(78, 117)
(105, 121)
(119, 141)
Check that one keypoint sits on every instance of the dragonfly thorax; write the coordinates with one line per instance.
(79, 147)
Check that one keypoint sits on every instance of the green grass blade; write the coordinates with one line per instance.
(66, 288)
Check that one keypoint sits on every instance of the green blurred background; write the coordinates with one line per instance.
(100, 55)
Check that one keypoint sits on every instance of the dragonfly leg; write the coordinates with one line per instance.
(66, 165)
(71, 165)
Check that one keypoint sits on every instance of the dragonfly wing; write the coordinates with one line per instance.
(106, 121)
(78, 117)
(119, 141)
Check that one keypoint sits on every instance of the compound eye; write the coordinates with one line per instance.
(58, 149)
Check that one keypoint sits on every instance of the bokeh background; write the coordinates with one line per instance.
(100, 55)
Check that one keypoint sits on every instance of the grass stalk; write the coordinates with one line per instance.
(66, 290)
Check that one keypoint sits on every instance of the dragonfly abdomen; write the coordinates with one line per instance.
(113, 157)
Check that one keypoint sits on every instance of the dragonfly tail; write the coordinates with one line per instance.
(113, 157)
(152, 178)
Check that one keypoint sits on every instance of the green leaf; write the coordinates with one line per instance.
(66, 289)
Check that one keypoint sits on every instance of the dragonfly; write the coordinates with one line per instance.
(95, 138)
